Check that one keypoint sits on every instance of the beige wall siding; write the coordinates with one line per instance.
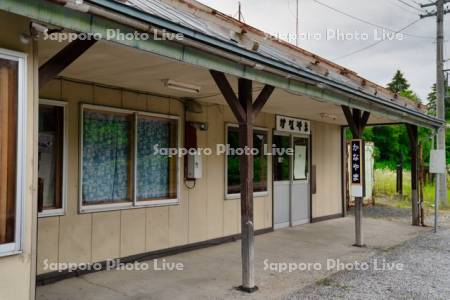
(17, 271)
(203, 212)
(326, 155)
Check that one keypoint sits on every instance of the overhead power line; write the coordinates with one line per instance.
(368, 22)
(374, 44)
(410, 5)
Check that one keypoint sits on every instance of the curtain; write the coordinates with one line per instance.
(153, 170)
(8, 148)
(107, 142)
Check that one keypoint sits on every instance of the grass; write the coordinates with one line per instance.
(385, 187)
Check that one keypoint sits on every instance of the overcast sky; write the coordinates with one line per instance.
(414, 55)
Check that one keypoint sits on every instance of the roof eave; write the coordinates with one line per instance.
(129, 11)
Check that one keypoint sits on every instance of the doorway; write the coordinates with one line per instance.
(291, 180)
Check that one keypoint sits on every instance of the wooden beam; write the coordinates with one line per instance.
(365, 118)
(413, 140)
(62, 60)
(350, 121)
(357, 119)
(246, 174)
(357, 122)
(229, 95)
(245, 112)
(262, 99)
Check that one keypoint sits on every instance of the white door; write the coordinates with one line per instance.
(291, 181)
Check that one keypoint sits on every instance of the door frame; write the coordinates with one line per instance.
(291, 173)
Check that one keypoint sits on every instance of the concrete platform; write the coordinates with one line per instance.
(213, 272)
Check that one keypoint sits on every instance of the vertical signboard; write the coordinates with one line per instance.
(357, 167)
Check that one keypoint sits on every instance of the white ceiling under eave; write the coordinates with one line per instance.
(111, 64)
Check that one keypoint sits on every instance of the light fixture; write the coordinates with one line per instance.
(39, 28)
(180, 86)
(320, 85)
(259, 67)
(328, 116)
(203, 126)
(25, 38)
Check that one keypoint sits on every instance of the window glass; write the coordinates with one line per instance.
(156, 173)
(259, 162)
(107, 148)
(300, 158)
(8, 148)
(281, 159)
(50, 164)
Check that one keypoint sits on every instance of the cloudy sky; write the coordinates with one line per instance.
(320, 27)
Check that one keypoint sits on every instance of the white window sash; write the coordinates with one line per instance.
(60, 211)
(16, 246)
(133, 204)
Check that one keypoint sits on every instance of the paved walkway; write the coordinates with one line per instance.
(211, 273)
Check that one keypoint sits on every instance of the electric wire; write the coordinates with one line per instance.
(376, 43)
(368, 22)
(410, 5)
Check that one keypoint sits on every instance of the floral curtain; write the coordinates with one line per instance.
(152, 169)
(106, 148)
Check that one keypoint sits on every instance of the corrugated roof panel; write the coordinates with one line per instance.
(220, 26)
(168, 12)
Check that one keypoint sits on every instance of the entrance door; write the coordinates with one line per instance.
(291, 181)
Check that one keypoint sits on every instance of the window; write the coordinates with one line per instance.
(12, 144)
(260, 164)
(156, 174)
(300, 158)
(119, 165)
(281, 169)
(52, 147)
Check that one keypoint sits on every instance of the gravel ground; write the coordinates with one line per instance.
(385, 212)
(425, 274)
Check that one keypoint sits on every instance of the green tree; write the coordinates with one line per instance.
(431, 106)
(401, 86)
(398, 83)
(391, 142)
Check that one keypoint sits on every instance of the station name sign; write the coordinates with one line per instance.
(293, 125)
(357, 167)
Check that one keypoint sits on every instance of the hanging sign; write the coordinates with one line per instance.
(293, 125)
(357, 174)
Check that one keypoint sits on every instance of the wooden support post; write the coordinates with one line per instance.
(245, 112)
(413, 139)
(246, 173)
(356, 122)
(62, 60)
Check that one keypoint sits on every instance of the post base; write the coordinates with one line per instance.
(359, 246)
(247, 289)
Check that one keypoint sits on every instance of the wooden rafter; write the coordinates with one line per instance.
(245, 112)
(62, 60)
(262, 98)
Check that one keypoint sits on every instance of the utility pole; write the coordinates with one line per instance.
(296, 25)
(441, 179)
(239, 12)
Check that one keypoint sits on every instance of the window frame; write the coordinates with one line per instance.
(134, 203)
(60, 211)
(158, 202)
(255, 194)
(16, 247)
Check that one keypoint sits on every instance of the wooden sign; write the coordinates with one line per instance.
(293, 125)
(357, 168)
